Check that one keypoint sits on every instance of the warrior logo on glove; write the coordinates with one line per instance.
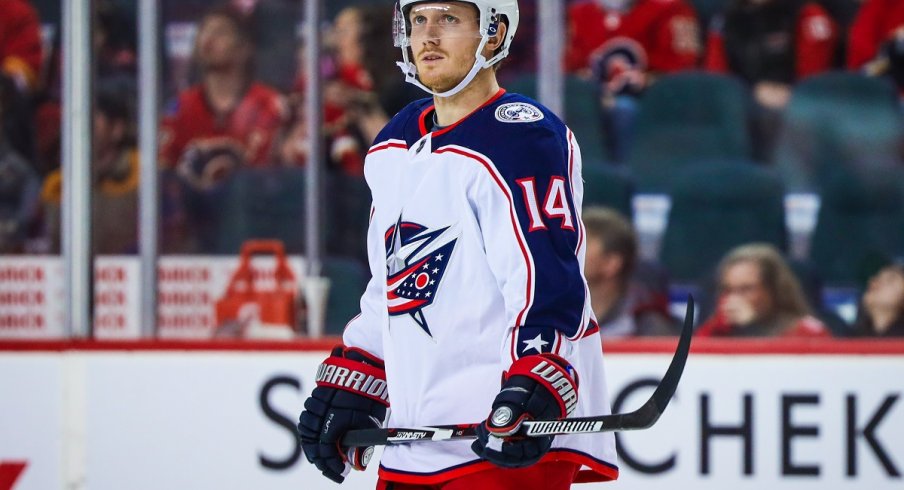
(536, 387)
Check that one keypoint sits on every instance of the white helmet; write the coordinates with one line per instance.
(491, 13)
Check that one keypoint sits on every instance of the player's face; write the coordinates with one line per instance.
(444, 38)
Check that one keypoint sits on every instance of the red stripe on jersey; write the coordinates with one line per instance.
(410, 305)
(571, 140)
(594, 328)
(404, 225)
(399, 277)
(422, 120)
(571, 176)
(351, 321)
(387, 145)
(529, 287)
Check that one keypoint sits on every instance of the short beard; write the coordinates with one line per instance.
(440, 84)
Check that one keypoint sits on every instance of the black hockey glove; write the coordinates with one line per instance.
(350, 394)
(537, 387)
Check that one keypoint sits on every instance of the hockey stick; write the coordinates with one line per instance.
(642, 418)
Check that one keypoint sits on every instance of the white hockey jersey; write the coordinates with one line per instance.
(476, 248)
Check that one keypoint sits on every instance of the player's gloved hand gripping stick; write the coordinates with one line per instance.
(350, 394)
(544, 386)
(642, 418)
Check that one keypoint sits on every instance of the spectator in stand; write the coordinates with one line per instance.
(876, 40)
(20, 44)
(115, 39)
(882, 306)
(115, 58)
(228, 120)
(377, 46)
(358, 91)
(771, 44)
(759, 296)
(624, 45)
(114, 177)
(623, 305)
(21, 56)
(227, 113)
(352, 113)
(19, 190)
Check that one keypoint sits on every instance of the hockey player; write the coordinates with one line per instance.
(477, 308)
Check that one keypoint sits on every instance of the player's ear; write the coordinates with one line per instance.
(495, 42)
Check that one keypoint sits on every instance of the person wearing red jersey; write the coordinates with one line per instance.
(760, 297)
(228, 118)
(20, 43)
(625, 44)
(654, 36)
(771, 44)
(227, 121)
(21, 58)
(876, 40)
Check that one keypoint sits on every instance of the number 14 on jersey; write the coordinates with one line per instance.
(555, 204)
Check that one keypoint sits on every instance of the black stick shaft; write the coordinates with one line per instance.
(642, 418)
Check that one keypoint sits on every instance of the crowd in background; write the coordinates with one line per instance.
(233, 135)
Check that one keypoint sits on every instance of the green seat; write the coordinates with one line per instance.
(262, 203)
(608, 186)
(841, 140)
(860, 222)
(717, 206)
(582, 112)
(838, 119)
(348, 279)
(687, 118)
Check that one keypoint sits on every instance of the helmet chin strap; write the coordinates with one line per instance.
(410, 72)
(480, 62)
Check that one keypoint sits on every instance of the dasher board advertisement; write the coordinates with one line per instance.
(148, 419)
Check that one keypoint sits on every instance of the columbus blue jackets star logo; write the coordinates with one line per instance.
(416, 259)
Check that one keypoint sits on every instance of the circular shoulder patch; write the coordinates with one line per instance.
(518, 112)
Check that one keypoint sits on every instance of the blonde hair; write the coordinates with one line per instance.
(787, 295)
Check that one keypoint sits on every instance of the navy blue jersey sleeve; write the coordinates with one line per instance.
(528, 208)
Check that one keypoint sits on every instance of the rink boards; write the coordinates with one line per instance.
(218, 416)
